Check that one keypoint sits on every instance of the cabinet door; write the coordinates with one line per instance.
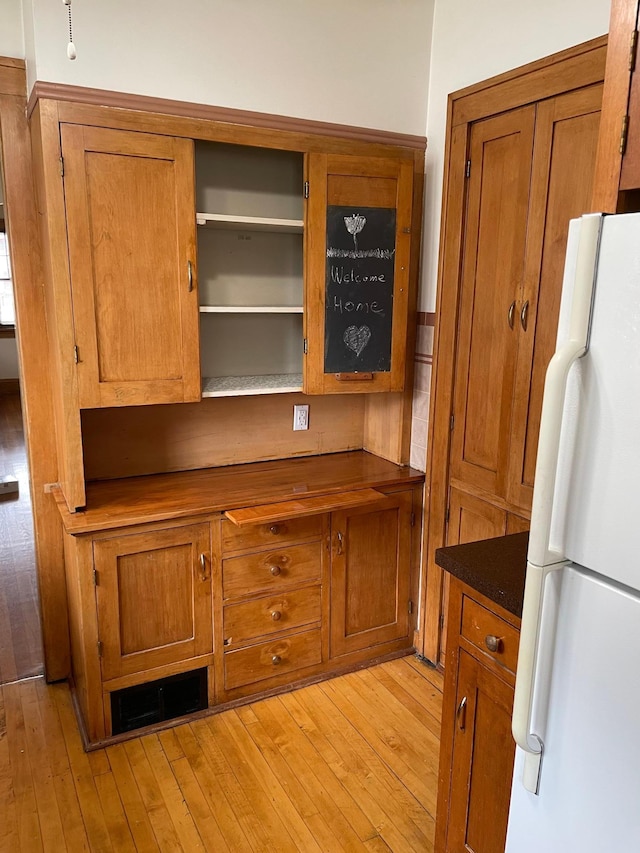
(493, 264)
(357, 245)
(472, 519)
(561, 179)
(154, 598)
(131, 232)
(482, 767)
(370, 574)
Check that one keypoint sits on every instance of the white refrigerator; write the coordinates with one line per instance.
(576, 720)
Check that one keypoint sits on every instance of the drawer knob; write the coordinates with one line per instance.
(275, 570)
(493, 643)
(276, 615)
(276, 659)
(275, 529)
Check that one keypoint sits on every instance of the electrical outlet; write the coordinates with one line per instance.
(301, 417)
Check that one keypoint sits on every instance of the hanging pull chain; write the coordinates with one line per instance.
(71, 48)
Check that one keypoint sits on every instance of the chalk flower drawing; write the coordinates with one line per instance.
(357, 338)
(354, 225)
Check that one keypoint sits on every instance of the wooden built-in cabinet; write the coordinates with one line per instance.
(257, 590)
(188, 259)
(477, 750)
(521, 158)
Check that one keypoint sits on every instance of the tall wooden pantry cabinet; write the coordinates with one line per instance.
(521, 155)
(203, 276)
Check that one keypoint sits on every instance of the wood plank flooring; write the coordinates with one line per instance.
(20, 635)
(346, 765)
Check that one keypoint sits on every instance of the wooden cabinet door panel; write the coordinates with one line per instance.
(370, 574)
(355, 182)
(154, 598)
(483, 755)
(563, 164)
(130, 207)
(472, 519)
(492, 271)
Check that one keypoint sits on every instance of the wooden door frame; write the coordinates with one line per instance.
(574, 68)
(33, 353)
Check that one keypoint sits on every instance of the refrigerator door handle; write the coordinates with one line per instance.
(540, 559)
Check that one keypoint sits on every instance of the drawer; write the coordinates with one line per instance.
(271, 614)
(490, 634)
(273, 658)
(268, 571)
(267, 535)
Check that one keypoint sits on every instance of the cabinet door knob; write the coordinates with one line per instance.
(275, 529)
(510, 314)
(276, 615)
(190, 275)
(203, 567)
(276, 659)
(340, 538)
(275, 570)
(493, 643)
(524, 315)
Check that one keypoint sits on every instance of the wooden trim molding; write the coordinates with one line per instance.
(226, 115)
(12, 76)
(36, 391)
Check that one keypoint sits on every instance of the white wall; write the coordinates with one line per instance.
(358, 62)
(474, 41)
(11, 39)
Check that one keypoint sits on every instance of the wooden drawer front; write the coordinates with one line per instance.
(273, 658)
(268, 571)
(483, 629)
(267, 535)
(270, 615)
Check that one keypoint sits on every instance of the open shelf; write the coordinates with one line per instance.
(251, 309)
(236, 386)
(250, 223)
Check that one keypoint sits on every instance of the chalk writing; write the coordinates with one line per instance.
(360, 252)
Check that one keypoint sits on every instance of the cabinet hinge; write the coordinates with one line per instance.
(76, 355)
(100, 648)
(305, 346)
(62, 167)
(441, 621)
(410, 606)
(96, 580)
(623, 134)
(413, 519)
(446, 515)
(452, 421)
(306, 189)
(633, 50)
(468, 169)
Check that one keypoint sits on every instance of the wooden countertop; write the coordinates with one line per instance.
(159, 497)
(494, 567)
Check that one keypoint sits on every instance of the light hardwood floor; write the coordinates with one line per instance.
(349, 764)
(20, 636)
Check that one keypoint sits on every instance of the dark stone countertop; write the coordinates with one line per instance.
(494, 567)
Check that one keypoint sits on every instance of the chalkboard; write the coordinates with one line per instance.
(361, 245)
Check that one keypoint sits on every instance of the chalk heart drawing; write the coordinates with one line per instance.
(357, 338)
